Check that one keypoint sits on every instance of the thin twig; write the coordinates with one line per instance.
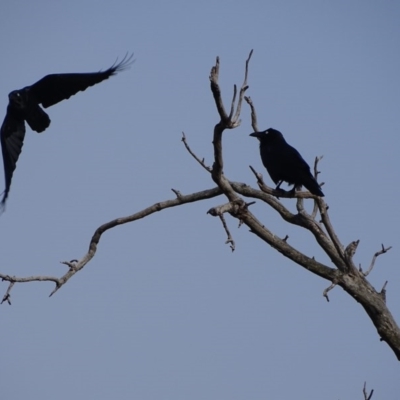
(254, 123)
(233, 102)
(229, 240)
(323, 210)
(328, 289)
(376, 255)
(177, 193)
(366, 395)
(233, 208)
(7, 296)
(201, 162)
(214, 75)
(243, 89)
(316, 172)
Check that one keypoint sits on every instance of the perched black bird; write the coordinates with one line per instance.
(24, 106)
(284, 162)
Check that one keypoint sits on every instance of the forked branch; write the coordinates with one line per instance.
(75, 266)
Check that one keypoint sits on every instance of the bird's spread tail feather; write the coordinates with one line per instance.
(37, 119)
(312, 185)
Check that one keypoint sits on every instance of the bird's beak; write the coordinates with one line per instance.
(256, 134)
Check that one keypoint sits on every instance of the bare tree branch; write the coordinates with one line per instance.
(325, 292)
(366, 395)
(225, 123)
(254, 123)
(376, 255)
(201, 162)
(323, 210)
(75, 266)
(7, 296)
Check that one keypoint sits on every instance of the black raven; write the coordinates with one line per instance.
(284, 162)
(24, 106)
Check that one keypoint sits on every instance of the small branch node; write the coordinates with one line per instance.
(177, 193)
(285, 238)
(58, 285)
(351, 250)
(71, 264)
(382, 293)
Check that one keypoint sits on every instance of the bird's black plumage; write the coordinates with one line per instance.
(24, 105)
(284, 163)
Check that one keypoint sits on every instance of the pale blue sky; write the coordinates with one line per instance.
(165, 310)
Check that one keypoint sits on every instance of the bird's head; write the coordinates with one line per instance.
(18, 99)
(270, 135)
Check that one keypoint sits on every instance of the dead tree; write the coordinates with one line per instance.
(341, 272)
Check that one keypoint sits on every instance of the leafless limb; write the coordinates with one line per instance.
(7, 296)
(75, 267)
(316, 172)
(15, 279)
(366, 395)
(226, 122)
(229, 240)
(301, 219)
(177, 193)
(254, 123)
(201, 162)
(376, 255)
(242, 90)
(328, 289)
(300, 205)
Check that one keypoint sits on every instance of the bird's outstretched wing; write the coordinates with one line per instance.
(12, 139)
(57, 87)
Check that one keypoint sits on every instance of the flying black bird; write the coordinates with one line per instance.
(24, 106)
(284, 162)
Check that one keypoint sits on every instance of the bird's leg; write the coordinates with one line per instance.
(278, 185)
(296, 188)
